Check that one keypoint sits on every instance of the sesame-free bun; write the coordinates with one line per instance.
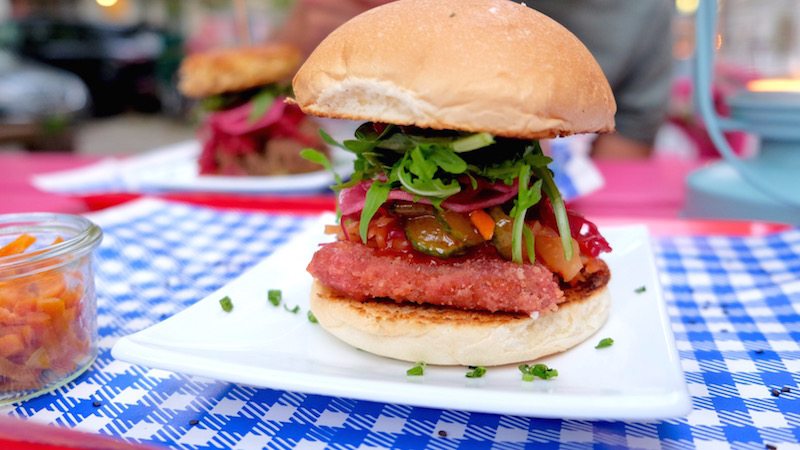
(236, 69)
(470, 65)
(446, 336)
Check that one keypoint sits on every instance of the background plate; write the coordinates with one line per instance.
(639, 377)
(174, 168)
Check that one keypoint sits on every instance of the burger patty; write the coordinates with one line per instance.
(481, 283)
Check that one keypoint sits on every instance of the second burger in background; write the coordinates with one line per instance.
(455, 246)
(248, 129)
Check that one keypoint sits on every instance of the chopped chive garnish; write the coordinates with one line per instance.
(294, 310)
(274, 296)
(527, 376)
(605, 342)
(544, 372)
(226, 304)
(537, 371)
(417, 370)
(476, 372)
(311, 317)
(640, 289)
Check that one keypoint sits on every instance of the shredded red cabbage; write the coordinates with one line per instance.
(232, 132)
(351, 200)
(590, 241)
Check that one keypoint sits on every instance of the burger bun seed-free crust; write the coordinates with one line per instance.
(236, 69)
(472, 65)
(445, 336)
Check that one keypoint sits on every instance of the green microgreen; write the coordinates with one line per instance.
(559, 209)
(416, 371)
(640, 290)
(605, 342)
(226, 303)
(260, 104)
(311, 317)
(317, 157)
(476, 372)
(329, 140)
(527, 197)
(530, 241)
(274, 296)
(472, 142)
(529, 372)
(260, 100)
(377, 194)
(213, 103)
(293, 310)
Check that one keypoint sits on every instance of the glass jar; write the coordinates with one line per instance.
(48, 313)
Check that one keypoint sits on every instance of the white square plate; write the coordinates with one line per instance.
(639, 377)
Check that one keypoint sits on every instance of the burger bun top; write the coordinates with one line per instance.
(473, 65)
(236, 69)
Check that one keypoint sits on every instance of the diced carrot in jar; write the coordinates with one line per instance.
(71, 314)
(72, 296)
(38, 319)
(12, 293)
(17, 372)
(53, 306)
(50, 284)
(42, 334)
(10, 345)
(39, 359)
(18, 245)
(7, 317)
(28, 334)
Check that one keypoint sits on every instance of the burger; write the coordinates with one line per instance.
(248, 129)
(454, 246)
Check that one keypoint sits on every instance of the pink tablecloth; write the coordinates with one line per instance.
(17, 194)
(653, 188)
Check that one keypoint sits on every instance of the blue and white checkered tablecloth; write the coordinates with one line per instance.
(734, 305)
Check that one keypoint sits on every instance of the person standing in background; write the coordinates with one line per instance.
(310, 21)
(631, 40)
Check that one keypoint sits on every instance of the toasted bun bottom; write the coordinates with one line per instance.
(444, 336)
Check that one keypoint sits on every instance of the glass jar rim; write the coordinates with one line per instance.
(86, 238)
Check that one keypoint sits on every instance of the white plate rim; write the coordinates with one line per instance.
(658, 405)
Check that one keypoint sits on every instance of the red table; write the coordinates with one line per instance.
(18, 195)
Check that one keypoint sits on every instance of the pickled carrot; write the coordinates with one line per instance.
(42, 331)
(18, 245)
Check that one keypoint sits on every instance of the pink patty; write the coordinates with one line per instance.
(482, 283)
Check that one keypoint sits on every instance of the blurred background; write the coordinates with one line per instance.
(99, 76)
